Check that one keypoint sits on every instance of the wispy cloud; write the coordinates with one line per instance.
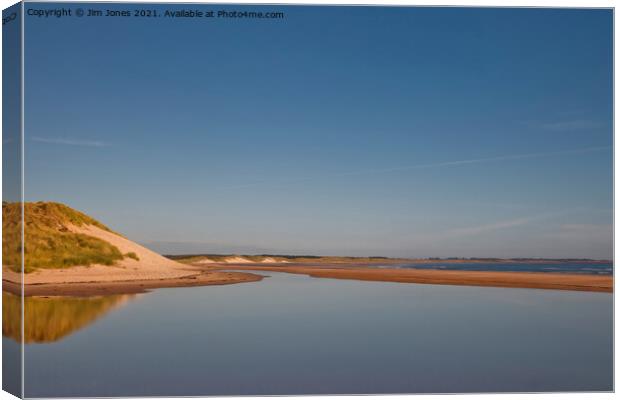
(442, 164)
(483, 160)
(457, 237)
(476, 230)
(572, 125)
(69, 142)
(501, 225)
(491, 227)
(580, 232)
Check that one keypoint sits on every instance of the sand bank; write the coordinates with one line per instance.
(95, 288)
(536, 280)
(102, 280)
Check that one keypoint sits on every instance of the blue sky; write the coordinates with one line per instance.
(336, 130)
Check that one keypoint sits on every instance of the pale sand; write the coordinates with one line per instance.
(227, 260)
(270, 260)
(126, 276)
(129, 286)
(205, 261)
(239, 260)
(149, 266)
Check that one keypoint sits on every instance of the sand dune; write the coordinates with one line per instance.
(205, 261)
(239, 260)
(149, 271)
(149, 265)
(70, 253)
(271, 260)
(128, 275)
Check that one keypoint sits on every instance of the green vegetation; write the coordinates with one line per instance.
(133, 255)
(49, 243)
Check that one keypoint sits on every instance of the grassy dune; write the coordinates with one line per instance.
(49, 243)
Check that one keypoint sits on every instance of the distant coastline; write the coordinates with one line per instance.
(72, 254)
(376, 259)
(357, 268)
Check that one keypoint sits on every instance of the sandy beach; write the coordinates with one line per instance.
(101, 280)
(95, 288)
(535, 280)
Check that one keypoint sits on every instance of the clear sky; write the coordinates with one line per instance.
(336, 130)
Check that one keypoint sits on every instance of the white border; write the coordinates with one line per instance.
(467, 3)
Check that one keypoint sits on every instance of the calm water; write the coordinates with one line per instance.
(573, 267)
(292, 334)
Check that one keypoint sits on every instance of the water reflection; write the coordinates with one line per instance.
(49, 319)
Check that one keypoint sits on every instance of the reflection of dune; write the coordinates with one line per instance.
(48, 319)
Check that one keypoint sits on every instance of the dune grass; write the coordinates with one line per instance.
(133, 255)
(48, 241)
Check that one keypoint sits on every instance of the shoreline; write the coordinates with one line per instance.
(525, 280)
(83, 289)
(229, 274)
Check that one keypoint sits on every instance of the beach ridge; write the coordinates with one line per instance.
(532, 280)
